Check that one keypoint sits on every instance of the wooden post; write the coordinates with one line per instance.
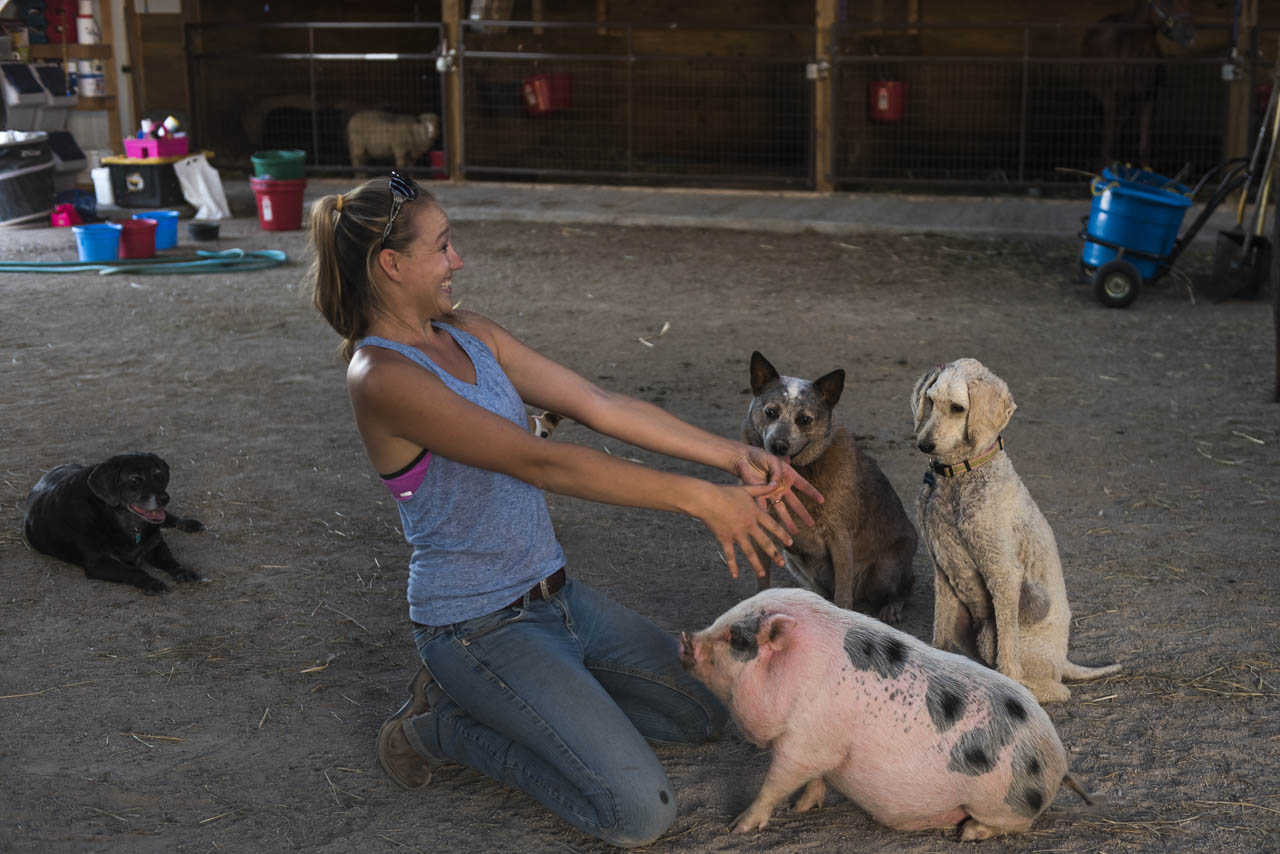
(1237, 139)
(825, 16)
(451, 13)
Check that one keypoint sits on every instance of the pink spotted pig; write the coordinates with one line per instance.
(917, 737)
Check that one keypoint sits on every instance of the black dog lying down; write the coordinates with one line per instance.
(107, 519)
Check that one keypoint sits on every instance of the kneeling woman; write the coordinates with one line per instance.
(529, 676)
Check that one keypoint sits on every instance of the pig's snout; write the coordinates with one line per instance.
(686, 650)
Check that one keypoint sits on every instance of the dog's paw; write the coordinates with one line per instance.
(891, 613)
(154, 587)
(188, 575)
(191, 526)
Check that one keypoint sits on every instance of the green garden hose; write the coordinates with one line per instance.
(204, 261)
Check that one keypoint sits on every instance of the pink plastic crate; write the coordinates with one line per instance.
(166, 147)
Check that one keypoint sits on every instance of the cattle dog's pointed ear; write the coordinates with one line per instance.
(830, 386)
(762, 373)
(104, 483)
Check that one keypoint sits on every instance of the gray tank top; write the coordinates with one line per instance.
(480, 538)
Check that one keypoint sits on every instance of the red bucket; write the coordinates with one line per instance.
(888, 100)
(279, 202)
(137, 238)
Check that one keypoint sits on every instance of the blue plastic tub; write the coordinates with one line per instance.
(99, 241)
(1136, 210)
(166, 227)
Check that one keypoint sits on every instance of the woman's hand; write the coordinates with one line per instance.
(758, 466)
(736, 515)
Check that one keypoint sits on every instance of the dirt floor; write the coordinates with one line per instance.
(240, 715)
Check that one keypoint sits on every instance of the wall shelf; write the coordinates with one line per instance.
(105, 102)
(71, 51)
(105, 52)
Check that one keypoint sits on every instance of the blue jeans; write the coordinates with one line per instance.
(557, 698)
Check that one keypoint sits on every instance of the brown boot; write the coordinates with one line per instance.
(402, 763)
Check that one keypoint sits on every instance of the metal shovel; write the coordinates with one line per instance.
(1242, 262)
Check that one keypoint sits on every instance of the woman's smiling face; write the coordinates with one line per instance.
(430, 259)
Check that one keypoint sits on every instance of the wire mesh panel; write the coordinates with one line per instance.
(318, 88)
(1022, 118)
(566, 124)
(1015, 104)
(622, 113)
(922, 120)
(723, 117)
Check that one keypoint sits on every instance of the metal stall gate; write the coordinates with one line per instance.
(633, 104)
(1010, 105)
(296, 86)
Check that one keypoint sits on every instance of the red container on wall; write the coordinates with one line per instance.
(888, 100)
(547, 93)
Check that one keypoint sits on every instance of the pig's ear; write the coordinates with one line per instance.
(775, 631)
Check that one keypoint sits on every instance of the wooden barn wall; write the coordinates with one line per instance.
(986, 33)
(717, 103)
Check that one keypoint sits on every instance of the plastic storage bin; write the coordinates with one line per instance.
(145, 183)
(68, 160)
(23, 95)
(26, 177)
(166, 227)
(99, 241)
(283, 165)
(59, 96)
(169, 146)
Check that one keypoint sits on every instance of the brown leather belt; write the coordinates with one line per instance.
(544, 589)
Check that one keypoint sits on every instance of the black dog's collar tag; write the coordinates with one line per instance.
(929, 479)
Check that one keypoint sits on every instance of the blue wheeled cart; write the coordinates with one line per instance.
(1131, 233)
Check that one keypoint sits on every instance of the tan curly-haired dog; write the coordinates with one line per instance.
(999, 591)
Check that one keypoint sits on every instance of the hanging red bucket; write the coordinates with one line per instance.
(547, 93)
(888, 99)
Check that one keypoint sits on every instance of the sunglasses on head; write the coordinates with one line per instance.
(403, 190)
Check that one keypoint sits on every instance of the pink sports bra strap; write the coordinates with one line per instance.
(404, 483)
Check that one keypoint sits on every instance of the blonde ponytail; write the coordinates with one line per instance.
(346, 237)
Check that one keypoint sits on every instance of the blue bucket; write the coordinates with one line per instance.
(166, 227)
(98, 242)
(1139, 210)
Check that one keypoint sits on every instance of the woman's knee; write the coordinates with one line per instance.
(642, 814)
(704, 716)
